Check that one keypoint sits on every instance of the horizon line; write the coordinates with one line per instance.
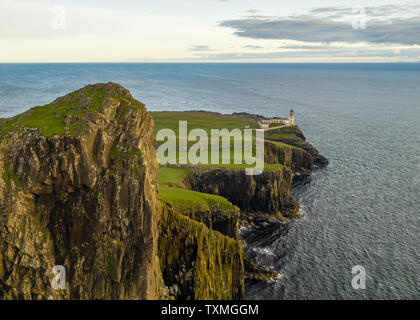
(208, 62)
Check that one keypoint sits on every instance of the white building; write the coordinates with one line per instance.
(265, 123)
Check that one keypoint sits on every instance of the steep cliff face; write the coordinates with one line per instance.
(197, 262)
(293, 136)
(78, 189)
(200, 253)
(224, 221)
(297, 159)
(268, 192)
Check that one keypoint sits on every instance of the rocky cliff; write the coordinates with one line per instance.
(293, 136)
(78, 189)
(296, 159)
(268, 192)
(197, 262)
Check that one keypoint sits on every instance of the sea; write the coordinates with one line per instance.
(360, 214)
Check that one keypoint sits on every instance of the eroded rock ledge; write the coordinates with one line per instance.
(78, 189)
(268, 192)
(197, 262)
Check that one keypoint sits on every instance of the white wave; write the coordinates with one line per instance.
(263, 251)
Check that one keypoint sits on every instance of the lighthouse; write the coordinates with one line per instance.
(292, 118)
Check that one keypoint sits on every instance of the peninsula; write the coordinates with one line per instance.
(81, 187)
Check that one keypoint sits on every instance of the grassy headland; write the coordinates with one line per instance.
(67, 114)
(170, 178)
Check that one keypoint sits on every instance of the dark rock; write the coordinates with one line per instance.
(79, 202)
(268, 192)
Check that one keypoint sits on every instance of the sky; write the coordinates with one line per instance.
(209, 31)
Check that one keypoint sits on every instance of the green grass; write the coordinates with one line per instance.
(38, 117)
(171, 191)
(205, 121)
(243, 166)
(208, 121)
(169, 176)
(201, 120)
(282, 133)
(191, 200)
(50, 118)
(273, 125)
(8, 176)
(284, 145)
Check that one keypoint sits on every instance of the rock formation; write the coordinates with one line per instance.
(268, 192)
(78, 189)
(197, 262)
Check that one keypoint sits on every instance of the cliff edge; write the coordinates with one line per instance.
(78, 189)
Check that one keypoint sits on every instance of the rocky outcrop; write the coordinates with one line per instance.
(298, 160)
(258, 272)
(197, 262)
(78, 189)
(294, 137)
(268, 192)
(224, 221)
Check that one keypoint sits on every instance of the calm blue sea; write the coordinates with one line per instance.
(363, 209)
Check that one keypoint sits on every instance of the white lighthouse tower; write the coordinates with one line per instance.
(292, 117)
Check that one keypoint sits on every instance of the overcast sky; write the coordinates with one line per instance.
(209, 30)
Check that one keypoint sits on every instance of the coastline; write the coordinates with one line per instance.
(79, 154)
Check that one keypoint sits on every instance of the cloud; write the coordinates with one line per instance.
(350, 54)
(252, 47)
(310, 47)
(201, 48)
(383, 12)
(318, 54)
(252, 11)
(385, 25)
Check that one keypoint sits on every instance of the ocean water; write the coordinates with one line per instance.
(363, 209)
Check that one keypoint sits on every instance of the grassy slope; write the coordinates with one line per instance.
(50, 118)
(208, 121)
(289, 133)
(171, 191)
(170, 178)
(202, 120)
(191, 200)
(173, 177)
(283, 145)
